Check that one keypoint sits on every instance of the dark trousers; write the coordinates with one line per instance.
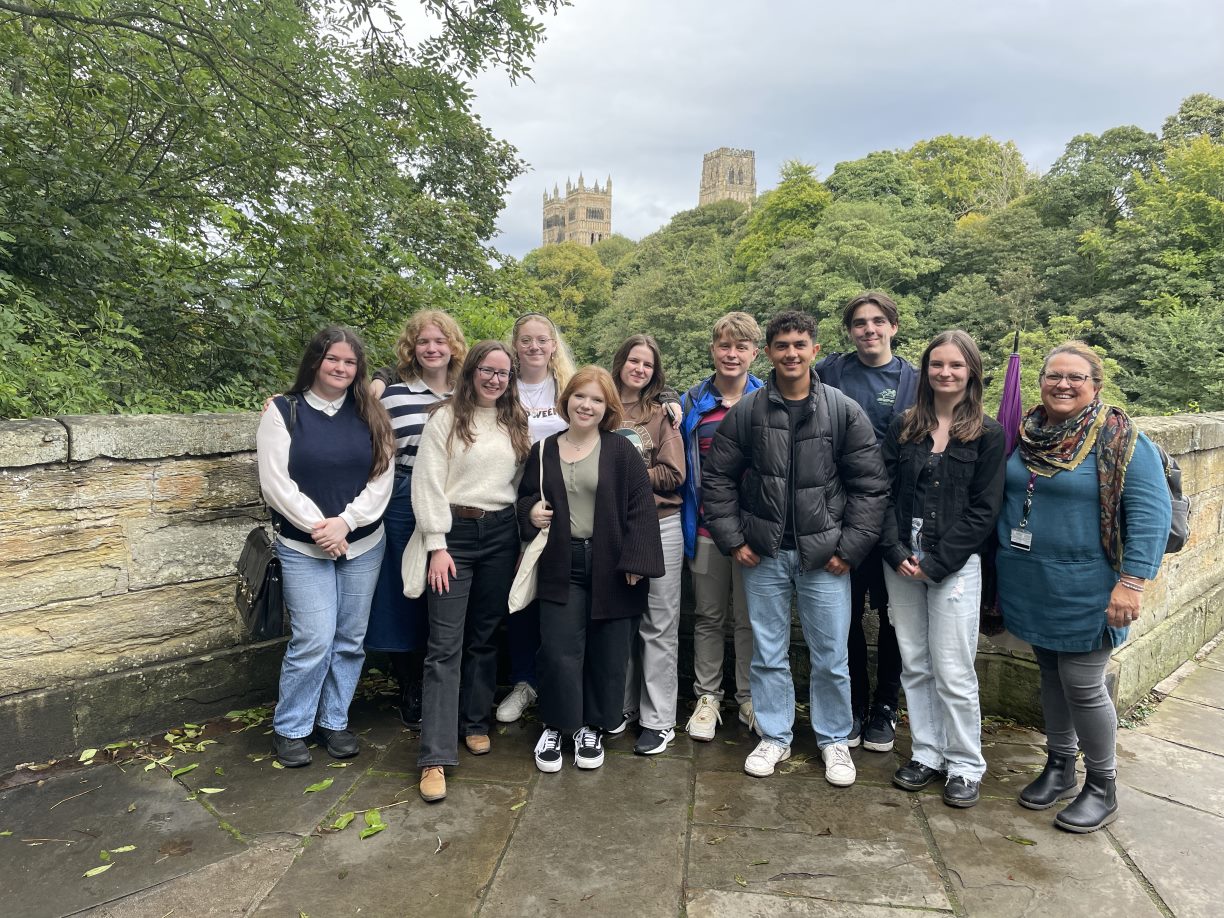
(582, 663)
(523, 639)
(397, 624)
(461, 660)
(868, 578)
(1079, 714)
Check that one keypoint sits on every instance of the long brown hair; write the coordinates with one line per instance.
(648, 398)
(405, 347)
(369, 409)
(920, 418)
(510, 413)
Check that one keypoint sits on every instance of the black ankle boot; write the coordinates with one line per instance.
(1094, 808)
(410, 704)
(1056, 782)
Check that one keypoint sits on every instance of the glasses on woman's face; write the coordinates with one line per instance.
(541, 342)
(493, 373)
(1074, 380)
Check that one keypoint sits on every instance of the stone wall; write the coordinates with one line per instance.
(119, 536)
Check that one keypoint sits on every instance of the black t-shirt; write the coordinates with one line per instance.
(796, 409)
(875, 390)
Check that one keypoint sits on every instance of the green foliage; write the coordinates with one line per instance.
(788, 213)
(969, 175)
(574, 284)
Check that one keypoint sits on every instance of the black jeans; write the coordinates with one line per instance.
(461, 660)
(868, 577)
(582, 662)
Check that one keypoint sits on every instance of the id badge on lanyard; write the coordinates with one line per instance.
(1021, 538)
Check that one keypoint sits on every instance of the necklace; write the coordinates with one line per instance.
(530, 395)
(579, 447)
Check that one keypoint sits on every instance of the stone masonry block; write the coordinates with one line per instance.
(38, 441)
(151, 436)
(56, 563)
(41, 647)
(1176, 434)
(215, 483)
(185, 547)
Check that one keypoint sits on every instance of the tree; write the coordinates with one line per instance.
(1199, 115)
(575, 286)
(1095, 175)
(969, 175)
(881, 176)
(211, 182)
(790, 211)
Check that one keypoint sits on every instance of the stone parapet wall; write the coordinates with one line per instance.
(118, 537)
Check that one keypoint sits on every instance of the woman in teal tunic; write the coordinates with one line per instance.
(1085, 518)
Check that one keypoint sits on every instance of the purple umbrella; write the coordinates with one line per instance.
(1010, 408)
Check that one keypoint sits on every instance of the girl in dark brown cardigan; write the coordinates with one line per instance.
(603, 544)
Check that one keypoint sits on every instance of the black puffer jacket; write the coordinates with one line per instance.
(839, 499)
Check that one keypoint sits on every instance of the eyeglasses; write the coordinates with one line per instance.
(491, 373)
(538, 342)
(1074, 380)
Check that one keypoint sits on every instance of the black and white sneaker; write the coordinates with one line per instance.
(588, 748)
(652, 742)
(881, 729)
(629, 718)
(548, 751)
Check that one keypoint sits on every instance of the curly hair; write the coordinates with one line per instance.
(405, 347)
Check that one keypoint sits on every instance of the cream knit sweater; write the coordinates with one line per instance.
(483, 475)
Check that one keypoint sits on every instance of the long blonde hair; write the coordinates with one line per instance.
(405, 348)
(560, 364)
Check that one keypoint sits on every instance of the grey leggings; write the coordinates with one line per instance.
(1079, 713)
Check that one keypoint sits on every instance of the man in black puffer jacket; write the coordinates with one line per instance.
(794, 488)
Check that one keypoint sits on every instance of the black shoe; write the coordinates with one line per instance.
(652, 742)
(881, 729)
(1056, 782)
(855, 739)
(340, 744)
(410, 705)
(1094, 808)
(960, 792)
(913, 775)
(292, 753)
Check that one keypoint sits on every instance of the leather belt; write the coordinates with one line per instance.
(469, 513)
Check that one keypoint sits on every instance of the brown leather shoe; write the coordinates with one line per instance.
(477, 743)
(433, 783)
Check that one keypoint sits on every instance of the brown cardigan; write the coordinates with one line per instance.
(626, 536)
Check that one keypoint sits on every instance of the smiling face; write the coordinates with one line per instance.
(948, 372)
(586, 407)
(336, 371)
(432, 350)
(534, 346)
(872, 334)
(1065, 399)
(791, 353)
(732, 358)
(638, 370)
(492, 377)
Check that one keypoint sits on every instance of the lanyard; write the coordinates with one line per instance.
(1028, 500)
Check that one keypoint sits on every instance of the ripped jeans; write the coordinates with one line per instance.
(937, 629)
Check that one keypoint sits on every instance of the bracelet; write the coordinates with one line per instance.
(1131, 586)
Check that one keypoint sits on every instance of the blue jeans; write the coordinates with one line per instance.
(824, 615)
(397, 623)
(329, 606)
(937, 629)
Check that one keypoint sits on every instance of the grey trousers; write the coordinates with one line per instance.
(718, 588)
(1079, 713)
(651, 685)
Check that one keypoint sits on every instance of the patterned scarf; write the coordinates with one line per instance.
(1048, 449)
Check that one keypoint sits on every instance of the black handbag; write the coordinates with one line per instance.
(259, 595)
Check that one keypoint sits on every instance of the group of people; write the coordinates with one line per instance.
(830, 485)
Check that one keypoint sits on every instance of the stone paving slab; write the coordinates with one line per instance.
(1205, 686)
(609, 841)
(715, 903)
(1177, 848)
(400, 871)
(1177, 773)
(1187, 723)
(116, 807)
(1059, 874)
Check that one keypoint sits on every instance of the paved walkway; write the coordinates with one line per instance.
(685, 833)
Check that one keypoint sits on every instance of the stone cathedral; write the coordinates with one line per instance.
(584, 215)
(728, 175)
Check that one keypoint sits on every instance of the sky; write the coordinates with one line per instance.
(642, 89)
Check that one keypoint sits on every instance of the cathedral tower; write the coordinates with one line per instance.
(728, 174)
(584, 215)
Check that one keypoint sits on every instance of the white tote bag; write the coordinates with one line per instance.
(523, 589)
(413, 565)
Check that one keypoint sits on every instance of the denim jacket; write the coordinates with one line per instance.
(961, 505)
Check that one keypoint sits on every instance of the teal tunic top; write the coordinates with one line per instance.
(1054, 596)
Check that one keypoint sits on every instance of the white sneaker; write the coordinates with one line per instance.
(588, 748)
(548, 751)
(761, 761)
(747, 717)
(839, 767)
(514, 704)
(706, 717)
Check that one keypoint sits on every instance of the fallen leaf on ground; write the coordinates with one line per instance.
(210, 790)
(97, 870)
(740, 880)
(372, 830)
(343, 820)
(518, 806)
(716, 840)
(1020, 840)
(186, 768)
(6, 833)
(123, 849)
(87, 755)
(757, 863)
(339, 764)
(277, 765)
(320, 786)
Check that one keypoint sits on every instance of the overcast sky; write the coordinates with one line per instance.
(642, 89)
